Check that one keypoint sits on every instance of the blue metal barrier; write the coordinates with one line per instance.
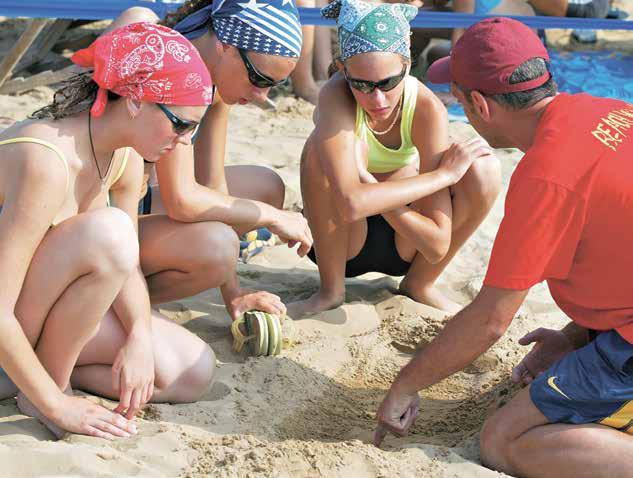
(427, 19)
(108, 9)
(81, 9)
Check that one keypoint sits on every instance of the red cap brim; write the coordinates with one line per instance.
(440, 71)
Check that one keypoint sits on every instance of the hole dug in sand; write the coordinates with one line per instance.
(294, 419)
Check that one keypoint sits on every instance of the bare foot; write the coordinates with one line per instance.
(319, 302)
(433, 297)
(28, 409)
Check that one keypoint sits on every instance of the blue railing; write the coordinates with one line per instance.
(108, 9)
(83, 9)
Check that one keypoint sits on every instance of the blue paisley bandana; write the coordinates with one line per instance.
(364, 27)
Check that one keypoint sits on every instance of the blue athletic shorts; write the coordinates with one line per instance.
(593, 384)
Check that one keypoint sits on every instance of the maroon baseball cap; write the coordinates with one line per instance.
(487, 54)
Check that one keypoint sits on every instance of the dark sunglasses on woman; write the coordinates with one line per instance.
(255, 77)
(386, 84)
(181, 127)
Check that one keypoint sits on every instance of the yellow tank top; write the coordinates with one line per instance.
(382, 159)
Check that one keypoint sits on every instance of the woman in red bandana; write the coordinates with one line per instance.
(75, 307)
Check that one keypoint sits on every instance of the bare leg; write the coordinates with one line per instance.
(322, 58)
(184, 363)
(335, 241)
(91, 256)
(257, 183)
(519, 441)
(210, 256)
(514, 7)
(302, 78)
(183, 259)
(556, 8)
(322, 53)
(472, 199)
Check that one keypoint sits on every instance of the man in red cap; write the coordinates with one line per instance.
(568, 220)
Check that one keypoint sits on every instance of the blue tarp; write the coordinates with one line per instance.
(108, 9)
(598, 73)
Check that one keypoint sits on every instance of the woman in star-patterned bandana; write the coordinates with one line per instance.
(248, 46)
(383, 190)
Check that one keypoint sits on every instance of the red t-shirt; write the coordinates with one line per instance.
(569, 213)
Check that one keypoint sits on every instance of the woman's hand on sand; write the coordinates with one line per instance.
(457, 159)
(246, 300)
(292, 228)
(550, 346)
(133, 374)
(78, 415)
(396, 414)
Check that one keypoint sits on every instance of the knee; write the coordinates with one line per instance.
(137, 14)
(494, 444)
(484, 180)
(196, 380)
(213, 246)
(275, 187)
(113, 241)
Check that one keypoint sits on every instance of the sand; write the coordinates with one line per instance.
(309, 412)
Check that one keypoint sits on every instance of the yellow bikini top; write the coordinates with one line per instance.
(62, 158)
(380, 158)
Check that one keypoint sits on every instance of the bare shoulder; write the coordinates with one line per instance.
(33, 164)
(429, 108)
(336, 107)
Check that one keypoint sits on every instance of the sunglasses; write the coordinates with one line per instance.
(386, 84)
(181, 127)
(257, 78)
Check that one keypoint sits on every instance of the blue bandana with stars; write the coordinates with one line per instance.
(271, 27)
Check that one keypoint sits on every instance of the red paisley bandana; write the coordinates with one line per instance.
(147, 62)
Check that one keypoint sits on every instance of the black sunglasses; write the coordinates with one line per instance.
(257, 78)
(181, 127)
(386, 84)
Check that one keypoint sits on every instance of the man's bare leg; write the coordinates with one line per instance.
(519, 441)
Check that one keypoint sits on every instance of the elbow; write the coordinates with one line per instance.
(496, 325)
(178, 209)
(350, 210)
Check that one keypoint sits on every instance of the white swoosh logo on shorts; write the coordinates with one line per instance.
(550, 382)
